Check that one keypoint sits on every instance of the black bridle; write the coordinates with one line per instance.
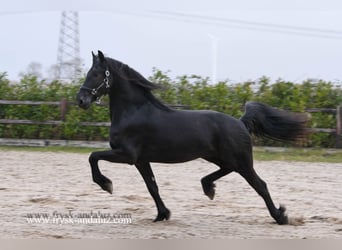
(94, 91)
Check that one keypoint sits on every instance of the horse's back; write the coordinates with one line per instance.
(183, 135)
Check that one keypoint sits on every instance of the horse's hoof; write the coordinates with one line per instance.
(108, 186)
(282, 219)
(209, 190)
(165, 215)
(105, 184)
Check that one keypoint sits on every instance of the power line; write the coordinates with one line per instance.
(8, 13)
(253, 23)
(227, 23)
(242, 24)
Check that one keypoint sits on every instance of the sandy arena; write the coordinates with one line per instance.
(60, 184)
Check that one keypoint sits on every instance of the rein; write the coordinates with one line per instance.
(94, 91)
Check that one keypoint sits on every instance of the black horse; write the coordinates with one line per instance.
(144, 130)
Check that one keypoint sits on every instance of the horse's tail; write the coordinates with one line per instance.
(265, 121)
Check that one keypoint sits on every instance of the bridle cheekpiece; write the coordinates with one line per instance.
(94, 91)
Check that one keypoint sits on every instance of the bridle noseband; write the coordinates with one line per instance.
(94, 91)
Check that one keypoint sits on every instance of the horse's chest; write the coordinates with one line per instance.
(116, 134)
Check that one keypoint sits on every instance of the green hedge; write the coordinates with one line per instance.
(192, 91)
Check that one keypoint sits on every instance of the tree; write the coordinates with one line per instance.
(33, 69)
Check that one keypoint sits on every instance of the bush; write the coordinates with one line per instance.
(192, 91)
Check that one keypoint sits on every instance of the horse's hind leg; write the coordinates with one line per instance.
(261, 188)
(148, 176)
(208, 180)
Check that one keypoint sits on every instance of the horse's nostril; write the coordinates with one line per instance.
(80, 102)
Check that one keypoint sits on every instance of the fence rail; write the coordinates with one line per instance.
(63, 104)
(15, 102)
(323, 110)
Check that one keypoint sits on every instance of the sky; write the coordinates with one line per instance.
(222, 39)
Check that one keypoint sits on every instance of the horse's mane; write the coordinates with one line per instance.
(128, 74)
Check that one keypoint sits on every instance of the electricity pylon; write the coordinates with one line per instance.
(68, 56)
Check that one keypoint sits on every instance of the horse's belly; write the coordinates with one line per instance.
(171, 153)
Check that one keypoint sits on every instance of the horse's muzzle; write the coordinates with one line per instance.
(84, 100)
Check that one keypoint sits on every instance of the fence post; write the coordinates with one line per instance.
(63, 107)
(339, 127)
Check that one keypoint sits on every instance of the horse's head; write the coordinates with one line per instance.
(97, 82)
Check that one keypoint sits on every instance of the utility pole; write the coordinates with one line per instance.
(68, 56)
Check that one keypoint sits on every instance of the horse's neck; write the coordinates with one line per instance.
(118, 109)
(121, 107)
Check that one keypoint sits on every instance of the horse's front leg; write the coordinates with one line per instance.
(146, 172)
(117, 156)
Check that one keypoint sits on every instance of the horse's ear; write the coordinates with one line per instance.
(101, 56)
(94, 56)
